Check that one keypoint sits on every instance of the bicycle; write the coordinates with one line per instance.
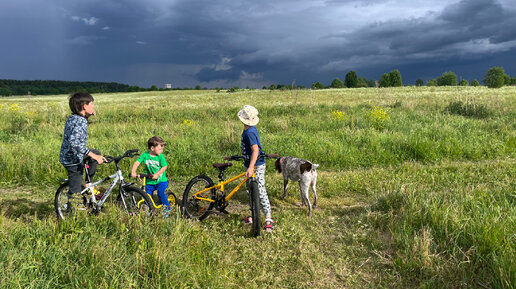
(202, 195)
(172, 199)
(130, 198)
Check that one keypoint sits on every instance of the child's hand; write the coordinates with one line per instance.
(249, 172)
(99, 159)
(155, 176)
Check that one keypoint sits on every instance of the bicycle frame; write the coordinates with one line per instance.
(116, 178)
(220, 186)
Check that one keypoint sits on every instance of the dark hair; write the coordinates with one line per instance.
(78, 100)
(154, 141)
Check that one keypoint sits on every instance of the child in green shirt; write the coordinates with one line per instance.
(155, 165)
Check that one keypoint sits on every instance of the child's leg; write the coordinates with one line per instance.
(92, 165)
(259, 171)
(161, 187)
(150, 189)
(74, 178)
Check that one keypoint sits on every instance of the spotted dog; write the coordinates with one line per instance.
(302, 171)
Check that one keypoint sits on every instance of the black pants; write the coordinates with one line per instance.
(75, 173)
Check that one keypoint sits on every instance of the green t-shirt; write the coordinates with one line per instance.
(153, 165)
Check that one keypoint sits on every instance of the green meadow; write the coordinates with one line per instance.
(416, 190)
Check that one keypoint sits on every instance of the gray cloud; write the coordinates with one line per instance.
(250, 42)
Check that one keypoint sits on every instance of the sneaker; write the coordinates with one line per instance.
(269, 225)
(166, 213)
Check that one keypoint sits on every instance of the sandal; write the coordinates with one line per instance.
(247, 220)
(269, 225)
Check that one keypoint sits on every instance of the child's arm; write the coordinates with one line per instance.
(158, 173)
(252, 162)
(100, 159)
(133, 170)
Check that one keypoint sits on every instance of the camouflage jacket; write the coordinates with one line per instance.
(73, 149)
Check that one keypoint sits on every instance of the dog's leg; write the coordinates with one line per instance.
(312, 185)
(304, 196)
(285, 186)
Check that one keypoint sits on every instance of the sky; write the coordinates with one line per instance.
(255, 43)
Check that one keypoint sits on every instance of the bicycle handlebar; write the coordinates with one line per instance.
(239, 158)
(128, 154)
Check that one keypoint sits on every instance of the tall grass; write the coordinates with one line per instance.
(413, 192)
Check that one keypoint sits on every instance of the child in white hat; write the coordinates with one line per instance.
(251, 150)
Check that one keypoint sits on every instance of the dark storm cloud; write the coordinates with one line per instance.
(226, 43)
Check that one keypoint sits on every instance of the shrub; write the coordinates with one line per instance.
(351, 79)
(420, 82)
(468, 109)
(495, 77)
(431, 82)
(337, 83)
(317, 85)
(447, 79)
(475, 82)
(463, 82)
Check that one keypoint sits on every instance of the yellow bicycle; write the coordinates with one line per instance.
(202, 197)
(172, 200)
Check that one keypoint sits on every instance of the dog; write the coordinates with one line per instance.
(299, 170)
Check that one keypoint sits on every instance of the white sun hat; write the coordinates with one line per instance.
(249, 115)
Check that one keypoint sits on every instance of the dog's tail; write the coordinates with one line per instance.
(278, 165)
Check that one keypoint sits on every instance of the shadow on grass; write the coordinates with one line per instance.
(25, 207)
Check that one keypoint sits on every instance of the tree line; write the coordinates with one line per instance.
(495, 78)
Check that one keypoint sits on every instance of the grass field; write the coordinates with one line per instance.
(417, 190)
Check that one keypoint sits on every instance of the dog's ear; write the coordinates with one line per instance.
(306, 167)
(278, 165)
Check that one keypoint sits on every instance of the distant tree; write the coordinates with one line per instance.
(447, 79)
(5, 92)
(362, 82)
(197, 87)
(154, 88)
(507, 79)
(272, 87)
(264, 87)
(420, 82)
(463, 82)
(371, 83)
(351, 79)
(317, 85)
(513, 81)
(475, 82)
(495, 77)
(385, 80)
(431, 82)
(395, 78)
(337, 83)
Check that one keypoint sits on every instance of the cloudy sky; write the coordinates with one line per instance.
(253, 43)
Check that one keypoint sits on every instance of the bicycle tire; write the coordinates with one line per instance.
(172, 199)
(254, 196)
(193, 207)
(135, 200)
(64, 203)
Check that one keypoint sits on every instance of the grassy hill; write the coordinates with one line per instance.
(416, 189)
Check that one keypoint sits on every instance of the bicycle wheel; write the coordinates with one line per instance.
(193, 207)
(254, 200)
(172, 199)
(133, 200)
(66, 203)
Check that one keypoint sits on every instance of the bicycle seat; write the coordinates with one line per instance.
(222, 165)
